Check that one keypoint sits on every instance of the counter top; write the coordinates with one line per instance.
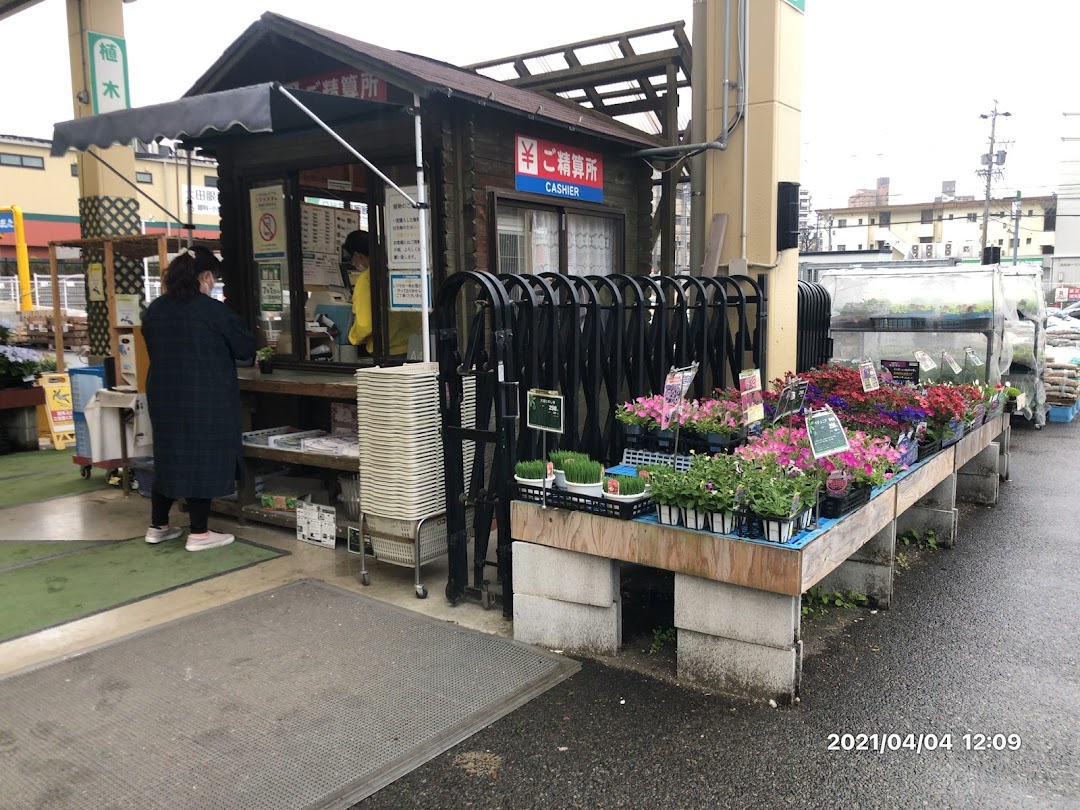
(298, 383)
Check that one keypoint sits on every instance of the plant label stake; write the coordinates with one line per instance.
(676, 384)
(544, 413)
(791, 401)
(868, 375)
(826, 434)
(750, 392)
(973, 356)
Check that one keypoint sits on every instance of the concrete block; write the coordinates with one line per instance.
(985, 462)
(749, 670)
(1003, 467)
(557, 625)
(874, 580)
(943, 496)
(981, 488)
(879, 549)
(736, 612)
(941, 521)
(568, 576)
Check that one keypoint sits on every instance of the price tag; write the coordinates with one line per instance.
(973, 356)
(826, 434)
(545, 410)
(612, 486)
(926, 362)
(948, 358)
(869, 376)
(1021, 401)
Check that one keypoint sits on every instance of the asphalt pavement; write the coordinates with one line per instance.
(983, 639)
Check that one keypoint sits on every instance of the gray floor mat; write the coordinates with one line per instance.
(305, 696)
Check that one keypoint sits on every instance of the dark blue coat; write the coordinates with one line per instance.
(193, 395)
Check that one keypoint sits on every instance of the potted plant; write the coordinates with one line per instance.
(714, 425)
(637, 419)
(535, 473)
(265, 356)
(559, 458)
(666, 485)
(775, 496)
(584, 476)
(625, 488)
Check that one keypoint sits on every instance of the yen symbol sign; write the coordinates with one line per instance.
(267, 227)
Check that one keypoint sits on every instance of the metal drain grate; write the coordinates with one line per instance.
(304, 696)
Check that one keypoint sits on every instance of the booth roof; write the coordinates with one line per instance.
(259, 108)
(417, 74)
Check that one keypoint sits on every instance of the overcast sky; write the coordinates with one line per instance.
(890, 88)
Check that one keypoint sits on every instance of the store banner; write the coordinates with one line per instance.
(557, 170)
(349, 82)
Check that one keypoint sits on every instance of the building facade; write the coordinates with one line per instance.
(47, 191)
(947, 228)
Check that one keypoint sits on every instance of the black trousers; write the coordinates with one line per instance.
(160, 504)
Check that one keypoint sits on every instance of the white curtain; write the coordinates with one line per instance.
(544, 228)
(590, 245)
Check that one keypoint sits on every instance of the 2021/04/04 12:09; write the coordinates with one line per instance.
(881, 743)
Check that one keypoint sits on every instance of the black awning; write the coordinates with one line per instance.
(259, 108)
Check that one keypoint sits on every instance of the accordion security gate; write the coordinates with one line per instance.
(597, 340)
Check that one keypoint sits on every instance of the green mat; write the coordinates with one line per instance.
(42, 474)
(60, 589)
(19, 553)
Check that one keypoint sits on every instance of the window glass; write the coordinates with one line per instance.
(144, 177)
(529, 240)
(33, 162)
(11, 160)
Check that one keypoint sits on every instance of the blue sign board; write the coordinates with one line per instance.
(559, 188)
(7, 222)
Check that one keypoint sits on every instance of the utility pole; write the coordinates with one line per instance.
(990, 160)
(1017, 206)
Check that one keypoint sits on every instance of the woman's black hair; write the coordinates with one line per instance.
(182, 276)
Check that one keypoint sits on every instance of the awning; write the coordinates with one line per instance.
(259, 108)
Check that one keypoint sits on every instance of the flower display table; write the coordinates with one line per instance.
(737, 600)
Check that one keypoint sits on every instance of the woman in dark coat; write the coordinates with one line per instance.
(193, 396)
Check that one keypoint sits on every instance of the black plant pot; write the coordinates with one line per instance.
(633, 435)
(665, 440)
(266, 366)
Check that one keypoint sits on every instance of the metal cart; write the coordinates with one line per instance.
(407, 543)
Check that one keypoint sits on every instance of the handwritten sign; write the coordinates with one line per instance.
(826, 434)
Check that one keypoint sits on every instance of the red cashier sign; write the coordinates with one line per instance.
(543, 167)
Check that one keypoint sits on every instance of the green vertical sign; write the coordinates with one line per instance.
(108, 72)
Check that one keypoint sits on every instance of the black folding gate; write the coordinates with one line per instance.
(813, 344)
(599, 341)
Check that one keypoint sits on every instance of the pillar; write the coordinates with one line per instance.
(979, 479)
(935, 511)
(768, 142)
(107, 206)
(869, 570)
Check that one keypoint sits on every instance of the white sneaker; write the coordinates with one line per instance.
(200, 542)
(161, 535)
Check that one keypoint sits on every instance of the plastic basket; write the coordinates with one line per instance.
(896, 322)
(84, 384)
(143, 467)
(834, 506)
(82, 437)
(927, 449)
(621, 510)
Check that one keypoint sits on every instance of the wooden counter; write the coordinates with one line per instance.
(323, 384)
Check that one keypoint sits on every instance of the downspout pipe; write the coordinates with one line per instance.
(699, 105)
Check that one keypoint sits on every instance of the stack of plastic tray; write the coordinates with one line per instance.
(85, 382)
(401, 454)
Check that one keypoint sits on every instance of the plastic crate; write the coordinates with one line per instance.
(261, 438)
(927, 449)
(82, 436)
(637, 458)
(621, 510)
(834, 506)
(896, 322)
(143, 468)
(84, 384)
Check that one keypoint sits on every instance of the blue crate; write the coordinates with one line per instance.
(82, 437)
(1063, 413)
(84, 384)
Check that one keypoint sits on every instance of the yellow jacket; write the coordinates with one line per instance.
(402, 324)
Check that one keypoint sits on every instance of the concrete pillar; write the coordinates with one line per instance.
(1004, 441)
(763, 150)
(107, 205)
(935, 511)
(869, 570)
(979, 479)
(566, 600)
(738, 640)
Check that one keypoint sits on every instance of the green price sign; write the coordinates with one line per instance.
(545, 410)
(827, 436)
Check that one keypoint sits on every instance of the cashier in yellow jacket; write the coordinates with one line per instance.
(361, 333)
